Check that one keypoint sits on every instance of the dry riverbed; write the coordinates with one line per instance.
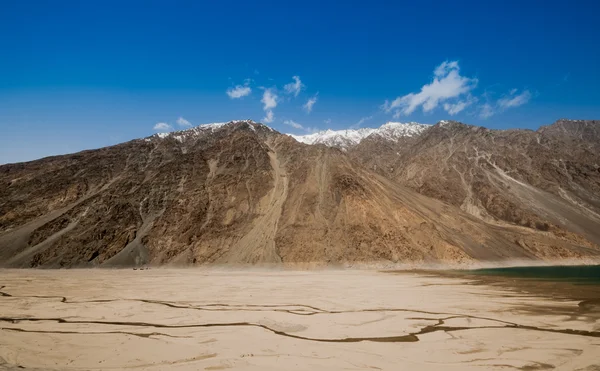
(200, 319)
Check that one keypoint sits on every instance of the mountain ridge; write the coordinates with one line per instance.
(243, 193)
(344, 138)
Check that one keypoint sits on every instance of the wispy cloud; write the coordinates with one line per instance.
(447, 84)
(509, 100)
(295, 87)
(239, 91)
(269, 117)
(327, 122)
(454, 93)
(458, 106)
(363, 120)
(486, 111)
(183, 123)
(514, 100)
(163, 127)
(308, 106)
(293, 124)
(269, 101)
(298, 126)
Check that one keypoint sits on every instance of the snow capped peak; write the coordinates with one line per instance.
(349, 137)
(181, 135)
(391, 131)
(335, 138)
(451, 124)
(394, 130)
(570, 120)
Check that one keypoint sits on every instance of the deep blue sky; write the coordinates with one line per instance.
(84, 74)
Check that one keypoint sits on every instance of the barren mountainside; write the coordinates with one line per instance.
(547, 179)
(241, 192)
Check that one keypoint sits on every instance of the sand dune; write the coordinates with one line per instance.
(293, 320)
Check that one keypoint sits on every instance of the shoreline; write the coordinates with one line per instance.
(189, 319)
(383, 265)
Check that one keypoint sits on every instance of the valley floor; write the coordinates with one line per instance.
(217, 319)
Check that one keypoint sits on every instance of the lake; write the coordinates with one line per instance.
(578, 274)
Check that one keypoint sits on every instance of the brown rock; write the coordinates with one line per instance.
(243, 193)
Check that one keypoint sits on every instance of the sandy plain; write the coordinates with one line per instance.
(218, 319)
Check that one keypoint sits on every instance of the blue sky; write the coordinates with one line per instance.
(85, 74)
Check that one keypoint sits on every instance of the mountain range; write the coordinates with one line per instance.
(243, 193)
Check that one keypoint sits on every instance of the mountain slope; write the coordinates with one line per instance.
(243, 193)
(547, 180)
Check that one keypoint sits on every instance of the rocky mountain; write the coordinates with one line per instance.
(241, 192)
(547, 179)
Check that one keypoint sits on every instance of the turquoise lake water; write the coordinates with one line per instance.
(580, 274)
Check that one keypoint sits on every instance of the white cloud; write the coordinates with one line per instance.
(445, 67)
(458, 106)
(298, 126)
(293, 124)
(363, 120)
(269, 117)
(183, 122)
(486, 111)
(510, 100)
(453, 92)
(269, 99)
(294, 87)
(513, 100)
(162, 127)
(447, 84)
(308, 106)
(327, 122)
(239, 91)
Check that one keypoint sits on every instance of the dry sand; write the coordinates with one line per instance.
(285, 320)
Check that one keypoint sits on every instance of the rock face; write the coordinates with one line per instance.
(547, 179)
(241, 192)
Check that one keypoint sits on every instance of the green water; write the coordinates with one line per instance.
(580, 274)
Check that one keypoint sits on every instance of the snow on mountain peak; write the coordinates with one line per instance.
(341, 138)
(181, 135)
(392, 131)
(344, 138)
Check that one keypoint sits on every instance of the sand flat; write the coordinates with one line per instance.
(212, 319)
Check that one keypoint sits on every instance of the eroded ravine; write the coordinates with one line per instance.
(14, 243)
(258, 245)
